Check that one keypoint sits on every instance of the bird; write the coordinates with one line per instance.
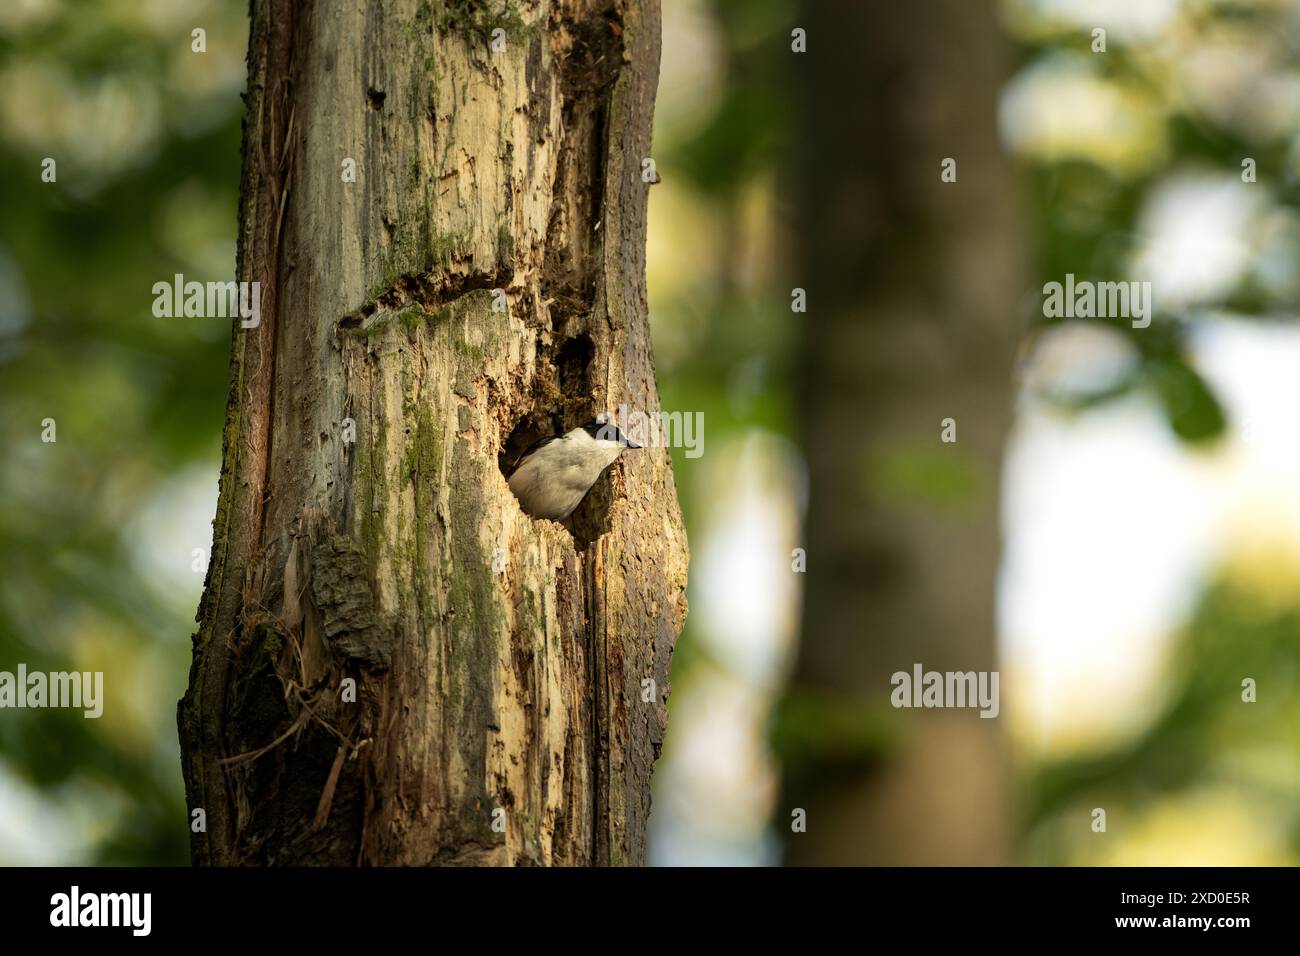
(551, 478)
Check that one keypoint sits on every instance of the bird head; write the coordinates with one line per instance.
(607, 434)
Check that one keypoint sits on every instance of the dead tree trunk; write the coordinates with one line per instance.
(480, 283)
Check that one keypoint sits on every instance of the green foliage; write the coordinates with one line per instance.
(812, 728)
(1193, 412)
(146, 187)
(1206, 732)
(934, 477)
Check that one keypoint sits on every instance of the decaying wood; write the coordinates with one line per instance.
(498, 662)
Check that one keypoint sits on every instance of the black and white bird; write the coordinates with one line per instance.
(553, 476)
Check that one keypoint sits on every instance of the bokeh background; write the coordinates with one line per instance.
(1150, 519)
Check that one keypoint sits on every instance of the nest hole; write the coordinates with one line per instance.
(558, 406)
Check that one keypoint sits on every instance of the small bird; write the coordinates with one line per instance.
(553, 476)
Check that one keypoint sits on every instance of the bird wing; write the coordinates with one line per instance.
(528, 451)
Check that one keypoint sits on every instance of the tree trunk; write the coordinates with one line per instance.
(500, 663)
(913, 285)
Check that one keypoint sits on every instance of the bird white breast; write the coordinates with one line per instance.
(551, 482)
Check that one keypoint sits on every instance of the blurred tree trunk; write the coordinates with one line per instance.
(912, 288)
(502, 709)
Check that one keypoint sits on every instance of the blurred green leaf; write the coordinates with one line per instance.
(1193, 412)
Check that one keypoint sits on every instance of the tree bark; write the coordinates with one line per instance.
(499, 661)
(913, 285)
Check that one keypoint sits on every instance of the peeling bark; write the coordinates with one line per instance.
(498, 661)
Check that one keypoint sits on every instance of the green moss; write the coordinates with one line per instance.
(372, 493)
(392, 271)
(472, 352)
(446, 247)
(412, 317)
(422, 22)
(472, 585)
(422, 456)
(428, 449)
(375, 325)
(478, 18)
